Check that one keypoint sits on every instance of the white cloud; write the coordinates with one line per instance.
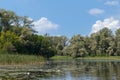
(44, 25)
(30, 19)
(96, 11)
(112, 3)
(110, 23)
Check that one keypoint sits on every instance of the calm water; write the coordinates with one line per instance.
(65, 70)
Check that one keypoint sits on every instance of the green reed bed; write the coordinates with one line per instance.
(101, 58)
(87, 57)
(61, 58)
(7, 59)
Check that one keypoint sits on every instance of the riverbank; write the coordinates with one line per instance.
(17, 59)
(87, 58)
(101, 58)
(61, 58)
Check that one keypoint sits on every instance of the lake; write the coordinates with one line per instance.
(64, 70)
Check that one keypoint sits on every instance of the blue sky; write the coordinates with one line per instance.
(67, 17)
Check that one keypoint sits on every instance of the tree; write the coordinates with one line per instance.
(77, 47)
(35, 45)
(58, 42)
(6, 41)
(7, 20)
(101, 42)
(117, 40)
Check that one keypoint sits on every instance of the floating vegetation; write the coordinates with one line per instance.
(28, 75)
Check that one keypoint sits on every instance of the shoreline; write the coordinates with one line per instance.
(26, 60)
(87, 58)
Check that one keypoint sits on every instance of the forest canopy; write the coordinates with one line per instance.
(17, 36)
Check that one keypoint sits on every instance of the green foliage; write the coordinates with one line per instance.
(102, 43)
(77, 47)
(7, 18)
(19, 59)
(17, 36)
(58, 43)
(6, 40)
(35, 45)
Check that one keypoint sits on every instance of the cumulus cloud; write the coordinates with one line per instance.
(96, 11)
(44, 25)
(112, 3)
(30, 19)
(110, 23)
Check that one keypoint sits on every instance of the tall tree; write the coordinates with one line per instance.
(7, 20)
(117, 40)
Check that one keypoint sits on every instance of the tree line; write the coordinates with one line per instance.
(18, 37)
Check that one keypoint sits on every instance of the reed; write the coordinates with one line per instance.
(9, 59)
(61, 58)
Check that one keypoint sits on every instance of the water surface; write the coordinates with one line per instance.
(65, 70)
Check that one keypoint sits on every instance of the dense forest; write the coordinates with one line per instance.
(18, 37)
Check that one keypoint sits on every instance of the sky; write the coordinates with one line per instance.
(67, 17)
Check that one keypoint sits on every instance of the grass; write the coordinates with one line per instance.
(61, 58)
(15, 59)
(87, 58)
(101, 58)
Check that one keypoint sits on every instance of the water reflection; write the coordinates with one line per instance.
(86, 70)
(67, 70)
